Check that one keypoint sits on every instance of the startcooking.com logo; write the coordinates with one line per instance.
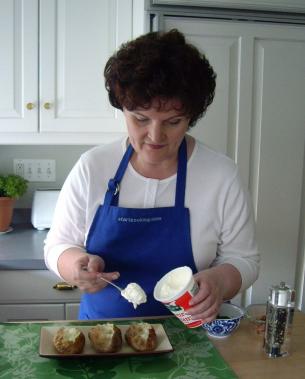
(139, 219)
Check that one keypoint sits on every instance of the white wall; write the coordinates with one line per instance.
(65, 157)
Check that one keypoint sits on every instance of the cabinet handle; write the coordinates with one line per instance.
(47, 105)
(30, 106)
(63, 286)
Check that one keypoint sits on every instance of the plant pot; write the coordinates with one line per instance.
(6, 212)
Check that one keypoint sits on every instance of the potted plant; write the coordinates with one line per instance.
(11, 188)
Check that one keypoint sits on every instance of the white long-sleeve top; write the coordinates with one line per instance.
(221, 219)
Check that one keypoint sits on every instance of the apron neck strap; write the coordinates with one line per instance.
(112, 194)
(181, 175)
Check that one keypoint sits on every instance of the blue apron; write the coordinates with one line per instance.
(142, 244)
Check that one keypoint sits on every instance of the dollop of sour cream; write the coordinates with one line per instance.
(134, 294)
(70, 334)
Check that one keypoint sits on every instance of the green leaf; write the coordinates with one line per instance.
(12, 186)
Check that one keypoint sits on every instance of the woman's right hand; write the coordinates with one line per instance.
(84, 270)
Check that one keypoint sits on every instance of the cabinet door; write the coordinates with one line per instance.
(230, 52)
(77, 38)
(18, 66)
(258, 118)
(277, 160)
(270, 5)
(72, 311)
(31, 312)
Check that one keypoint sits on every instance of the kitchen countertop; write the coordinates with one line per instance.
(22, 248)
(244, 352)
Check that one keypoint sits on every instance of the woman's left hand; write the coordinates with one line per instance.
(205, 304)
(216, 285)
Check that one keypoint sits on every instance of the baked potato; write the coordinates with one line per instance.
(69, 340)
(105, 338)
(141, 337)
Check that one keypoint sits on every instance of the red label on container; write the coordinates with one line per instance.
(179, 306)
(184, 300)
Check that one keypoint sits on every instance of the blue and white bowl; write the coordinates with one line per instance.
(223, 327)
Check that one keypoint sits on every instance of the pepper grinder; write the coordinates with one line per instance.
(279, 317)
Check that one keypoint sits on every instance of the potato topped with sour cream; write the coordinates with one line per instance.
(69, 340)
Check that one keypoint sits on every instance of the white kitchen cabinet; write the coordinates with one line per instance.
(29, 295)
(51, 71)
(264, 5)
(258, 118)
(71, 311)
(31, 312)
(18, 67)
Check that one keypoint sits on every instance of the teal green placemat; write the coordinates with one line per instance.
(194, 357)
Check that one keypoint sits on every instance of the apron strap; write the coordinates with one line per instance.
(181, 175)
(112, 194)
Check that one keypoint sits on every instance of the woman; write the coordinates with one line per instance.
(133, 210)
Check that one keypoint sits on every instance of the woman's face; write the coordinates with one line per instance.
(156, 133)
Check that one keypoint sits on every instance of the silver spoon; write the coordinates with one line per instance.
(129, 298)
(114, 285)
(105, 280)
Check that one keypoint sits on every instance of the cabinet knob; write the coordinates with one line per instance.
(63, 286)
(30, 106)
(47, 105)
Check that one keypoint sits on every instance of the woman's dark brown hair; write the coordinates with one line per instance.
(160, 66)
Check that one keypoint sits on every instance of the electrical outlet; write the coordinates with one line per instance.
(19, 168)
(36, 170)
